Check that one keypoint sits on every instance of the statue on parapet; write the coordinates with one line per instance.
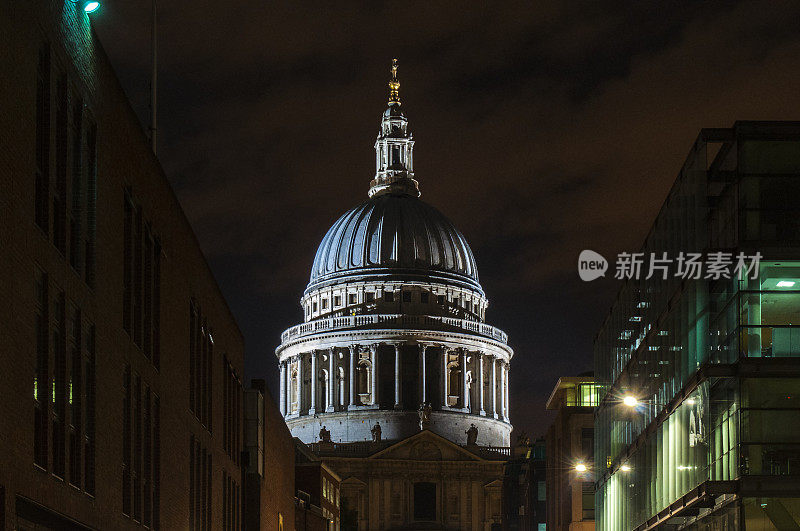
(376, 432)
(424, 416)
(472, 435)
(324, 435)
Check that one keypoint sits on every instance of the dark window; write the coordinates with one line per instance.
(89, 415)
(406, 296)
(42, 184)
(156, 462)
(440, 299)
(59, 386)
(41, 378)
(370, 296)
(314, 307)
(60, 192)
(137, 449)
(126, 441)
(424, 501)
(201, 354)
(147, 448)
(424, 297)
(352, 298)
(76, 214)
(388, 296)
(91, 203)
(75, 399)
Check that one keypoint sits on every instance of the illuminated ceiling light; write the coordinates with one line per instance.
(630, 401)
(87, 6)
(691, 401)
(625, 468)
(786, 283)
(580, 467)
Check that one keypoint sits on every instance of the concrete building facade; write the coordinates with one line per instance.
(120, 393)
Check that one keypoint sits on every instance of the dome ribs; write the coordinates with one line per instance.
(393, 232)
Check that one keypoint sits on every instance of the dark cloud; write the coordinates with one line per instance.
(541, 130)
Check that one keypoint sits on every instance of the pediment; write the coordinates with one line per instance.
(426, 446)
(352, 481)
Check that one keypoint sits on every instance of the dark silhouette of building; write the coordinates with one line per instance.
(120, 387)
(318, 489)
(524, 492)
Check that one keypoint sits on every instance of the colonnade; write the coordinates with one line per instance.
(358, 387)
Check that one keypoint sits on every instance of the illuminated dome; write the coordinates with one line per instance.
(394, 335)
(394, 235)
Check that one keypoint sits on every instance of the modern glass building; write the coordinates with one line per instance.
(698, 425)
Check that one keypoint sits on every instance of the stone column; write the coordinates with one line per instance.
(313, 409)
(494, 386)
(397, 376)
(352, 378)
(506, 408)
(480, 381)
(444, 377)
(282, 399)
(422, 375)
(288, 396)
(331, 380)
(373, 349)
(502, 391)
(464, 389)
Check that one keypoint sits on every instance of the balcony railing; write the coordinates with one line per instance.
(425, 322)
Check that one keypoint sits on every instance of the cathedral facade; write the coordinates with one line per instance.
(394, 376)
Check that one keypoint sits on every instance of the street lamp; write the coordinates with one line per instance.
(580, 467)
(630, 401)
(625, 468)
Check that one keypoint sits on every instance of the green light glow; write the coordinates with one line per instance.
(91, 7)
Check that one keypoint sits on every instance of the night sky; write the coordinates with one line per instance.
(540, 131)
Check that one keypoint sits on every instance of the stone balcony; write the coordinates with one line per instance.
(399, 321)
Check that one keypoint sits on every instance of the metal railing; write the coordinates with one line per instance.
(432, 322)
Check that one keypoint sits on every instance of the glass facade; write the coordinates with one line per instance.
(713, 363)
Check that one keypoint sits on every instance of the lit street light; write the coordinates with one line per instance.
(630, 401)
(580, 467)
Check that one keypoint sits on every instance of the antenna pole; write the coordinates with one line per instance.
(153, 83)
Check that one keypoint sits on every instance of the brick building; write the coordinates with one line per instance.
(269, 473)
(120, 393)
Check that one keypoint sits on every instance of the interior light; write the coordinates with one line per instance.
(625, 468)
(88, 6)
(691, 401)
(786, 283)
(580, 467)
(630, 401)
